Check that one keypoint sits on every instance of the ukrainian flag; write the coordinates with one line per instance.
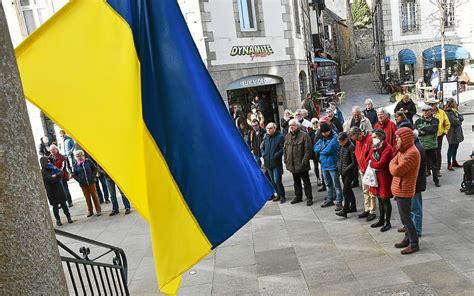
(125, 79)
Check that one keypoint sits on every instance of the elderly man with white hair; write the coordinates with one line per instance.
(370, 112)
(389, 127)
(357, 120)
(305, 124)
(272, 152)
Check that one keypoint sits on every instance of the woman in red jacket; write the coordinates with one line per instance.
(380, 156)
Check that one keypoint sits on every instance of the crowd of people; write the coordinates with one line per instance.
(392, 158)
(62, 160)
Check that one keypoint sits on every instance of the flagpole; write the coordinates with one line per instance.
(29, 256)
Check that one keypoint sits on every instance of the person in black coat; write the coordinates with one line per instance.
(369, 112)
(346, 165)
(52, 177)
(402, 121)
(43, 147)
(85, 173)
(407, 106)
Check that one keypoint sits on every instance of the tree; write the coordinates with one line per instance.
(361, 15)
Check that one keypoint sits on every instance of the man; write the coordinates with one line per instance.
(369, 111)
(66, 147)
(307, 104)
(113, 198)
(43, 147)
(468, 189)
(357, 120)
(328, 150)
(407, 106)
(404, 167)
(297, 151)
(389, 127)
(305, 124)
(334, 120)
(346, 165)
(427, 127)
(363, 143)
(443, 129)
(272, 152)
(255, 139)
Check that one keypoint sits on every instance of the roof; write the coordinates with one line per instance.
(335, 17)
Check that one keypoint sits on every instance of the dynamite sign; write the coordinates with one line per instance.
(254, 51)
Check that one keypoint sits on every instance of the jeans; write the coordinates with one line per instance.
(331, 178)
(65, 211)
(103, 182)
(66, 190)
(417, 212)
(404, 209)
(113, 196)
(275, 177)
(452, 153)
(349, 197)
(297, 177)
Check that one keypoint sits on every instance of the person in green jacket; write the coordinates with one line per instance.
(427, 127)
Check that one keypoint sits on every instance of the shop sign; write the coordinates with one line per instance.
(387, 59)
(253, 81)
(253, 51)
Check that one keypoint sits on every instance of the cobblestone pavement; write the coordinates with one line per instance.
(299, 250)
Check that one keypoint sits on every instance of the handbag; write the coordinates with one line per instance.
(370, 178)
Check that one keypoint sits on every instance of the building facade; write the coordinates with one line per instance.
(407, 37)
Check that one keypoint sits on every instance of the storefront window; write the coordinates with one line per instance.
(34, 12)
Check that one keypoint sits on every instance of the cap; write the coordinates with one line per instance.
(426, 108)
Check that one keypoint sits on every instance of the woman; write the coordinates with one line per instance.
(315, 135)
(287, 116)
(455, 134)
(59, 161)
(369, 111)
(380, 156)
(52, 177)
(402, 120)
(85, 174)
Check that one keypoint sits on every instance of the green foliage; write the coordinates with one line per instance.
(361, 15)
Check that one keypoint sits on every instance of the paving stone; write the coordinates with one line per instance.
(331, 274)
(144, 287)
(343, 288)
(273, 241)
(313, 243)
(200, 290)
(235, 256)
(459, 254)
(469, 275)
(304, 227)
(200, 274)
(267, 225)
(270, 209)
(241, 237)
(426, 254)
(235, 281)
(403, 289)
(276, 261)
(288, 283)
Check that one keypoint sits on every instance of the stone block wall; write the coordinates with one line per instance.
(364, 40)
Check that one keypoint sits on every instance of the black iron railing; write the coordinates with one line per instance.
(105, 274)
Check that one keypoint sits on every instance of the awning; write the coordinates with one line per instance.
(453, 52)
(323, 60)
(407, 57)
(253, 81)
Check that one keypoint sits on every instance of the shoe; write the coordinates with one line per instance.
(276, 198)
(58, 223)
(113, 213)
(386, 227)
(318, 182)
(59, 206)
(282, 200)
(101, 201)
(296, 200)
(410, 249)
(469, 192)
(322, 189)
(355, 185)
(377, 224)
(69, 220)
(371, 217)
(354, 210)
(437, 184)
(326, 204)
(99, 214)
(401, 229)
(450, 167)
(456, 164)
(309, 202)
(338, 208)
(90, 214)
(363, 215)
(107, 201)
(402, 244)
(70, 204)
(127, 211)
(439, 174)
(342, 214)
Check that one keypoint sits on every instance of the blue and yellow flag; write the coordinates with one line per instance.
(125, 79)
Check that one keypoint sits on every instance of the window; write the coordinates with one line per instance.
(34, 12)
(296, 11)
(247, 17)
(327, 32)
(409, 16)
(448, 13)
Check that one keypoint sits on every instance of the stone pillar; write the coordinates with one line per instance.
(29, 256)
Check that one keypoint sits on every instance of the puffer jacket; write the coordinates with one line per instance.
(347, 162)
(427, 132)
(380, 163)
(328, 151)
(297, 151)
(455, 134)
(272, 150)
(85, 174)
(405, 165)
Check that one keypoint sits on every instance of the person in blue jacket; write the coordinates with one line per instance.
(272, 153)
(328, 150)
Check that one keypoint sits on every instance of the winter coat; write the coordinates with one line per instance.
(365, 124)
(455, 134)
(66, 146)
(335, 121)
(405, 123)
(284, 125)
(421, 179)
(405, 165)
(297, 151)
(410, 108)
(427, 132)
(338, 114)
(272, 150)
(362, 152)
(389, 127)
(347, 162)
(59, 161)
(53, 185)
(444, 124)
(43, 149)
(307, 104)
(328, 151)
(380, 163)
(86, 173)
(371, 115)
(255, 139)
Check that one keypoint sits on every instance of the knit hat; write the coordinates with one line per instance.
(324, 127)
(407, 138)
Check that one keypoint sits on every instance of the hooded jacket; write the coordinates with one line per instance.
(444, 124)
(347, 162)
(328, 151)
(405, 165)
(389, 127)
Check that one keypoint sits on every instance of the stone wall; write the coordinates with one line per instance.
(364, 41)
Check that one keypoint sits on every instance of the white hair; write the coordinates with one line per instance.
(52, 146)
(357, 109)
(292, 121)
(382, 110)
(271, 124)
(78, 152)
(369, 101)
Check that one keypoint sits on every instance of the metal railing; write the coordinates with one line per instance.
(105, 274)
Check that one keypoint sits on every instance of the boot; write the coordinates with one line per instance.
(309, 202)
(69, 220)
(377, 224)
(276, 198)
(469, 189)
(411, 249)
(296, 200)
(282, 199)
(58, 223)
(402, 244)
(456, 164)
(386, 227)
(363, 215)
(450, 167)
(342, 214)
